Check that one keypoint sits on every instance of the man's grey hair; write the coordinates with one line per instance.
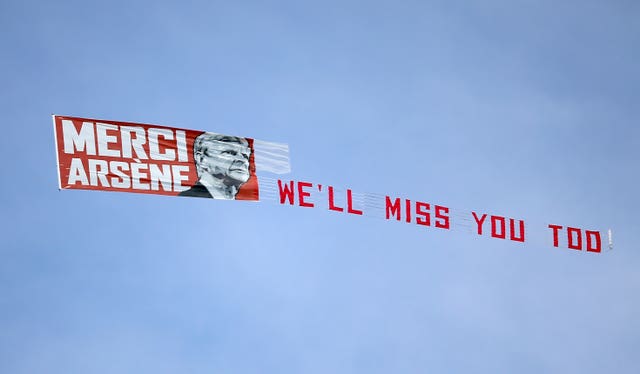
(199, 144)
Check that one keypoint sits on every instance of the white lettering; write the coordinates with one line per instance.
(137, 175)
(181, 141)
(118, 168)
(98, 170)
(178, 177)
(136, 143)
(104, 139)
(78, 141)
(154, 147)
(77, 173)
(164, 177)
(124, 175)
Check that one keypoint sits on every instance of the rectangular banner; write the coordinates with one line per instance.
(108, 155)
(133, 157)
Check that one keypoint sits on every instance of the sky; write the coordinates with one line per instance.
(522, 108)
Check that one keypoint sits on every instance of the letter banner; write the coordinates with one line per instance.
(133, 157)
(429, 216)
(109, 155)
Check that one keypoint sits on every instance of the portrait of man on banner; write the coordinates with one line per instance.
(224, 165)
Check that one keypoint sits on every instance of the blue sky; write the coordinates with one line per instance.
(525, 108)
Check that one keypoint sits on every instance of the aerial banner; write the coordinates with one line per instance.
(133, 157)
(427, 215)
(109, 155)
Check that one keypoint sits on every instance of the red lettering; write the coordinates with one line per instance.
(286, 192)
(512, 227)
(479, 222)
(494, 227)
(332, 205)
(392, 210)
(598, 242)
(555, 229)
(426, 221)
(442, 217)
(350, 208)
(570, 238)
(407, 209)
(302, 194)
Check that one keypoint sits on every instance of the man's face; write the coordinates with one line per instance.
(228, 160)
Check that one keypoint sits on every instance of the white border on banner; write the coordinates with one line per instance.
(55, 135)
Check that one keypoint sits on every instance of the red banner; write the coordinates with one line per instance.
(133, 157)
